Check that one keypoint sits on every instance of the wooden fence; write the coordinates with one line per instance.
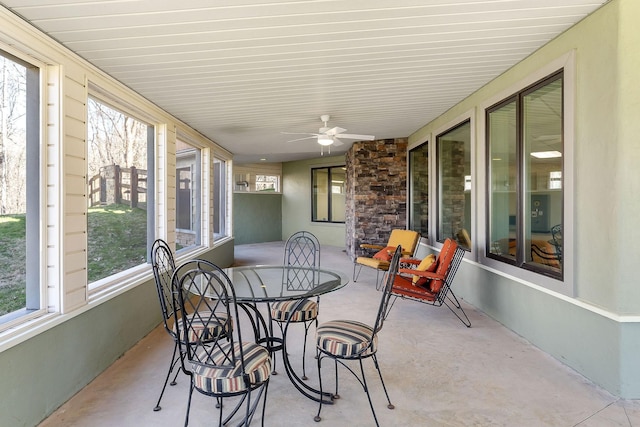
(114, 184)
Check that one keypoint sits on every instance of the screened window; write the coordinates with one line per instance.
(328, 194)
(188, 195)
(454, 184)
(120, 213)
(20, 289)
(267, 183)
(256, 182)
(419, 189)
(525, 151)
(220, 198)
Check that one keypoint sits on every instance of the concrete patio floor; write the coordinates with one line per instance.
(437, 372)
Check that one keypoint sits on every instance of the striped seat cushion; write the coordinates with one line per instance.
(218, 376)
(306, 310)
(216, 327)
(346, 338)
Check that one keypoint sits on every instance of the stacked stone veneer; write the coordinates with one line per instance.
(376, 199)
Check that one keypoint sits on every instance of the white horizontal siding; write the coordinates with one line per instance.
(74, 252)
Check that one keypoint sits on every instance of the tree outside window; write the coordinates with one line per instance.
(19, 187)
(119, 162)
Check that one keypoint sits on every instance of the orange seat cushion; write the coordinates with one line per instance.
(404, 287)
(444, 261)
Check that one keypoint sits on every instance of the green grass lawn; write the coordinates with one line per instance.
(117, 241)
(13, 262)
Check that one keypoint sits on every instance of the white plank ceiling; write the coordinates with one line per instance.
(242, 71)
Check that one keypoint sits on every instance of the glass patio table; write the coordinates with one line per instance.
(272, 283)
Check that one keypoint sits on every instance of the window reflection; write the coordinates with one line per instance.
(419, 189)
(454, 201)
(525, 158)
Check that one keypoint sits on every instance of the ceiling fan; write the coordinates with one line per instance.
(327, 136)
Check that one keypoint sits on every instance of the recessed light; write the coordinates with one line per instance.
(546, 154)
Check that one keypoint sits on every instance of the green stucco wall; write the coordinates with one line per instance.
(257, 217)
(594, 328)
(296, 201)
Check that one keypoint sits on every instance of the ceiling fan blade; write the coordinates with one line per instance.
(334, 131)
(337, 142)
(355, 136)
(299, 133)
(303, 138)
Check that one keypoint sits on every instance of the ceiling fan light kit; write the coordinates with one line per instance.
(327, 136)
(325, 140)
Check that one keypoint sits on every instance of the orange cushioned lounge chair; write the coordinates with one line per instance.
(381, 254)
(430, 280)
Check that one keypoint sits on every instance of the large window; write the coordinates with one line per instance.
(220, 196)
(419, 189)
(188, 195)
(525, 151)
(454, 184)
(328, 194)
(120, 179)
(20, 289)
(255, 177)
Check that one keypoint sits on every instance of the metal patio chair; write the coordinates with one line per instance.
(219, 363)
(430, 281)
(301, 249)
(349, 340)
(378, 256)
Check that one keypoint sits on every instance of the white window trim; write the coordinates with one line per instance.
(228, 159)
(49, 287)
(135, 275)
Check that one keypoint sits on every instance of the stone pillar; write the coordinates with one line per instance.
(376, 199)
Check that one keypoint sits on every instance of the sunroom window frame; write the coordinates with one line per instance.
(36, 300)
(566, 286)
(434, 184)
(329, 195)
(133, 274)
(520, 260)
(423, 230)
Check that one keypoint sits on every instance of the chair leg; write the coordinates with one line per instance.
(248, 414)
(384, 387)
(307, 325)
(172, 365)
(264, 401)
(252, 407)
(355, 276)
(456, 303)
(317, 417)
(186, 420)
(271, 352)
(366, 390)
